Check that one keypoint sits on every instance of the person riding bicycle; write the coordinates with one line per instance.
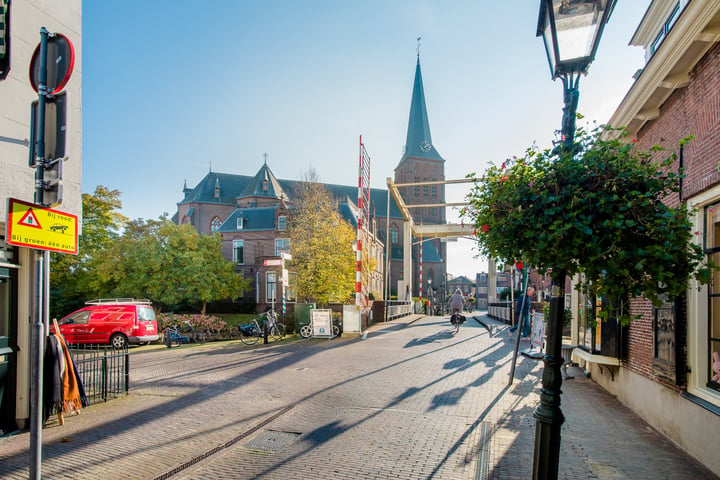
(457, 301)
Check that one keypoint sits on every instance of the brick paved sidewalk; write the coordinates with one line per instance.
(601, 438)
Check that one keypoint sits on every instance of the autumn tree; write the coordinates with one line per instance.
(72, 278)
(321, 242)
(170, 264)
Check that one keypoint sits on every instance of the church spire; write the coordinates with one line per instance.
(419, 141)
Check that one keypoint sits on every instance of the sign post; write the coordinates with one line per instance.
(50, 70)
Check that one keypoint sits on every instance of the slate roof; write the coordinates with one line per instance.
(419, 141)
(232, 186)
(430, 253)
(254, 219)
(264, 184)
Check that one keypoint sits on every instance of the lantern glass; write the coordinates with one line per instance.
(571, 31)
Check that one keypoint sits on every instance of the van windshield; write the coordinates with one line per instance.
(146, 314)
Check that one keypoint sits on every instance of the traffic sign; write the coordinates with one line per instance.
(34, 226)
(272, 262)
(60, 62)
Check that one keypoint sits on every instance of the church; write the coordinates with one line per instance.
(251, 213)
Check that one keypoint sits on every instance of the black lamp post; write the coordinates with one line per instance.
(571, 30)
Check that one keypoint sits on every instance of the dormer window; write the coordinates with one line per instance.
(665, 29)
(240, 223)
(282, 223)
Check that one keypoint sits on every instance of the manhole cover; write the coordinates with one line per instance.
(271, 440)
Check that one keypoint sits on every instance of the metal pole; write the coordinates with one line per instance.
(37, 333)
(42, 93)
(548, 414)
(36, 373)
(387, 258)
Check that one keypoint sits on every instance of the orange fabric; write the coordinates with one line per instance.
(70, 390)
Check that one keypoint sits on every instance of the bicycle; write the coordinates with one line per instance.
(250, 333)
(457, 319)
(275, 328)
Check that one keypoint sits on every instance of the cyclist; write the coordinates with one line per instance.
(457, 301)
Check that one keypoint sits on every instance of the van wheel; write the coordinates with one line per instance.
(118, 340)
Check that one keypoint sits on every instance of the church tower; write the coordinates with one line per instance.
(421, 162)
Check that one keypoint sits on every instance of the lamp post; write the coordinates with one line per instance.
(571, 31)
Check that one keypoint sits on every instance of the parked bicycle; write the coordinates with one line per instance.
(250, 333)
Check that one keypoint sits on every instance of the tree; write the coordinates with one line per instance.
(170, 264)
(604, 212)
(321, 242)
(72, 276)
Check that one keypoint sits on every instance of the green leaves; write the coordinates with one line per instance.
(598, 212)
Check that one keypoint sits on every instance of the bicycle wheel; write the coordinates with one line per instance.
(278, 331)
(306, 331)
(198, 336)
(250, 333)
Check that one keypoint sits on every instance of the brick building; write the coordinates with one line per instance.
(251, 213)
(662, 364)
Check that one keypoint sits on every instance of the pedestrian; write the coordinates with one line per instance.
(456, 302)
(522, 313)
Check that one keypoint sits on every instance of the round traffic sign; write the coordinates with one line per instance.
(60, 61)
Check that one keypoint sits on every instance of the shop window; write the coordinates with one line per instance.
(712, 250)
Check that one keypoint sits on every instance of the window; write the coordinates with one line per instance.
(712, 249)
(280, 245)
(271, 290)
(394, 234)
(240, 223)
(417, 187)
(238, 252)
(215, 224)
(665, 28)
(282, 223)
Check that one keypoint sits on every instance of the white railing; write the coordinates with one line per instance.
(397, 308)
(501, 311)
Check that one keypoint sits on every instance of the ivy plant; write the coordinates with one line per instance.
(604, 208)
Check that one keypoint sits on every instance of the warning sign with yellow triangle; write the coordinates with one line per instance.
(30, 220)
(34, 226)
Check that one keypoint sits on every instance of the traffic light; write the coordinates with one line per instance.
(51, 162)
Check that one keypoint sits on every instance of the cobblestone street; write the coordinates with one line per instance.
(403, 401)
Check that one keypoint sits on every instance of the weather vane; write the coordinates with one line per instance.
(418, 46)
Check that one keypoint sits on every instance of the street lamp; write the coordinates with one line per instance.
(571, 30)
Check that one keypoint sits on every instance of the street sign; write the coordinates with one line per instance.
(60, 62)
(273, 262)
(34, 226)
(285, 256)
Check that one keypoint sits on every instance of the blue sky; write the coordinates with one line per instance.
(174, 88)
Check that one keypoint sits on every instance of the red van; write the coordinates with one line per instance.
(117, 321)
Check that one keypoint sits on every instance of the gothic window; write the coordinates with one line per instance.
(416, 191)
(394, 234)
(215, 224)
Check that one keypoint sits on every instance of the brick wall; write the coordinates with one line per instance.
(692, 110)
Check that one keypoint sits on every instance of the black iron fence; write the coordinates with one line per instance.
(105, 371)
